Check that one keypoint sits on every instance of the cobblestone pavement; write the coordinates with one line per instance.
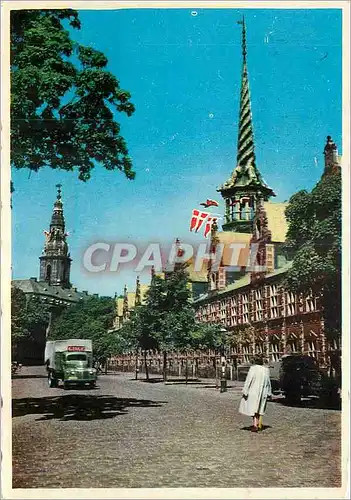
(129, 433)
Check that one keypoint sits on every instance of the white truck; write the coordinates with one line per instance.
(70, 361)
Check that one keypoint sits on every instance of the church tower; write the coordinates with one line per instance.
(245, 189)
(55, 261)
(331, 157)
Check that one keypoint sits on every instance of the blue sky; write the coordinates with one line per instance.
(183, 70)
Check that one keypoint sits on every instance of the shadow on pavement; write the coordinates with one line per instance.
(181, 381)
(315, 403)
(78, 407)
(18, 375)
(154, 380)
(249, 428)
(157, 380)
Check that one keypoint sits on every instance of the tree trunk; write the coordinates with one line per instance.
(186, 368)
(136, 365)
(165, 366)
(146, 366)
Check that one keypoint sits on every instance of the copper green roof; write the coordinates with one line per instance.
(241, 283)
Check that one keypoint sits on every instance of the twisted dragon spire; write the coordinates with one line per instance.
(246, 147)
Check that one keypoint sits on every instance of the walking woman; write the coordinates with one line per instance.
(256, 390)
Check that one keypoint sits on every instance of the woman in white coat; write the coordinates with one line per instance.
(256, 390)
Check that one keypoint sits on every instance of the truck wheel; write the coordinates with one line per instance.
(293, 398)
(65, 386)
(92, 385)
(52, 381)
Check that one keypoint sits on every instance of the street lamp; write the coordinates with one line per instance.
(223, 365)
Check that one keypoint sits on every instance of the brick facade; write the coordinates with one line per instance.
(266, 319)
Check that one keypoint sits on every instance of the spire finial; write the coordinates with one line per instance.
(244, 39)
(243, 43)
(59, 186)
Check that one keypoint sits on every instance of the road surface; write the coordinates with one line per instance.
(128, 433)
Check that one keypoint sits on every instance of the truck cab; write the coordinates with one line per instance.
(78, 368)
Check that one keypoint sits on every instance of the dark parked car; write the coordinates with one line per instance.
(299, 377)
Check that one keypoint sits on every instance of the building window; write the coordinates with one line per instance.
(234, 315)
(258, 305)
(259, 348)
(290, 303)
(311, 349)
(245, 303)
(310, 303)
(291, 346)
(273, 301)
(48, 273)
(246, 354)
(233, 302)
(275, 355)
(222, 309)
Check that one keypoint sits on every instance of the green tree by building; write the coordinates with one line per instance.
(314, 236)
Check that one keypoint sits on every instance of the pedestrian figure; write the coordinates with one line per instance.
(256, 390)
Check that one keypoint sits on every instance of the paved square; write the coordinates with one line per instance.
(129, 433)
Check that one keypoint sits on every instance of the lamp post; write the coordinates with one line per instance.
(223, 366)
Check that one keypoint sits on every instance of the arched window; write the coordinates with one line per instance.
(48, 273)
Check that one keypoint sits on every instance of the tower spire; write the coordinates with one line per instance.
(243, 38)
(57, 219)
(59, 186)
(246, 148)
(55, 260)
(245, 188)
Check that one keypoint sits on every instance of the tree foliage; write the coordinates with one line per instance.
(27, 318)
(91, 318)
(167, 320)
(63, 98)
(138, 331)
(314, 235)
(209, 336)
(169, 310)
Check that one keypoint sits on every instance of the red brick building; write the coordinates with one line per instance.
(258, 313)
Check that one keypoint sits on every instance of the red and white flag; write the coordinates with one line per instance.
(197, 219)
(208, 226)
(210, 203)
